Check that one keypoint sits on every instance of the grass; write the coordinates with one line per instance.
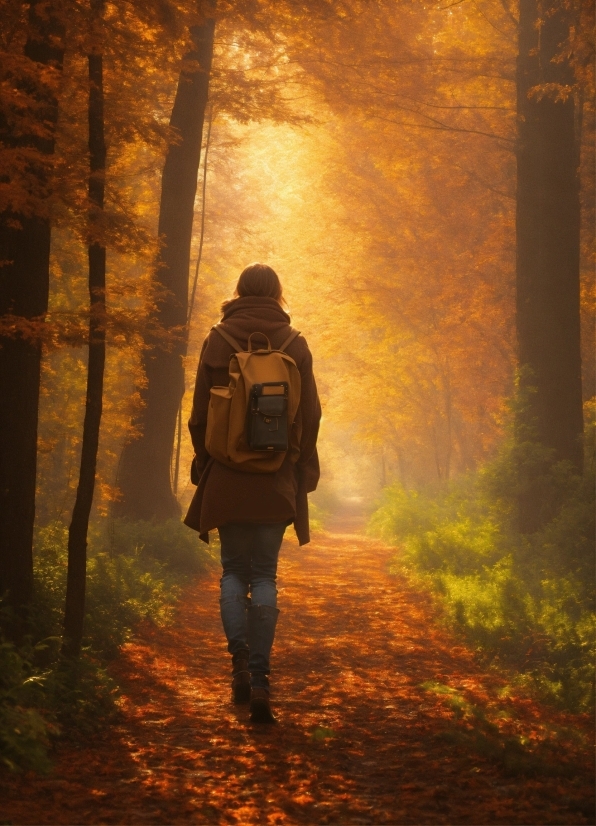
(524, 600)
(135, 572)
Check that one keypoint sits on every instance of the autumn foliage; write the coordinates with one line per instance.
(384, 720)
(370, 152)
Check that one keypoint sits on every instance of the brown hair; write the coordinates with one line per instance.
(257, 279)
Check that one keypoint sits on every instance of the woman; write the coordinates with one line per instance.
(252, 510)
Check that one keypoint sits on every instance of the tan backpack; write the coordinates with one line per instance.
(252, 423)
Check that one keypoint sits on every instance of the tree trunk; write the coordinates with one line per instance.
(77, 535)
(548, 227)
(24, 290)
(145, 476)
(193, 295)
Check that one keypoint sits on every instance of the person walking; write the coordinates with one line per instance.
(251, 510)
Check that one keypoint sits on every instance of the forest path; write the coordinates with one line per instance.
(383, 718)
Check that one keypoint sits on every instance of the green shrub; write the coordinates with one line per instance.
(80, 695)
(528, 598)
(49, 570)
(460, 547)
(171, 543)
(138, 578)
(134, 572)
(24, 731)
(122, 591)
(403, 513)
(316, 516)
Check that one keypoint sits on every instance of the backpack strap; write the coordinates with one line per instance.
(294, 334)
(231, 341)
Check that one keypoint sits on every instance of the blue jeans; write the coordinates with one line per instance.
(249, 554)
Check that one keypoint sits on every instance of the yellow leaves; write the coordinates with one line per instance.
(406, 318)
(388, 212)
(556, 92)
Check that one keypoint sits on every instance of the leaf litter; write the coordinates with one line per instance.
(383, 718)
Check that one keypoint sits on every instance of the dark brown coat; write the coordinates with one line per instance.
(225, 495)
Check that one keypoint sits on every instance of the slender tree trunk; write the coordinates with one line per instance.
(193, 295)
(145, 478)
(77, 535)
(436, 451)
(448, 422)
(548, 228)
(401, 464)
(24, 290)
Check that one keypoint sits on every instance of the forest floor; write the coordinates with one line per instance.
(383, 718)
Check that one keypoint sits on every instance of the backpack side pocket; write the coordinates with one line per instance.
(218, 422)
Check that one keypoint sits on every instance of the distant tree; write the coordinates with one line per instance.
(145, 479)
(77, 534)
(27, 132)
(425, 170)
(548, 238)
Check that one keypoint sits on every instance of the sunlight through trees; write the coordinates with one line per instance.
(421, 176)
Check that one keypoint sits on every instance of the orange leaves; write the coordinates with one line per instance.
(391, 223)
(358, 735)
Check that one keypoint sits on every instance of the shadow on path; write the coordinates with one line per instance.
(383, 718)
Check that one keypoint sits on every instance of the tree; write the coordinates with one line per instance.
(548, 239)
(24, 286)
(424, 168)
(142, 48)
(254, 88)
(145, 469)
(77, 536)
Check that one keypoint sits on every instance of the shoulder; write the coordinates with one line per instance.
(299, 350)
(215, 350)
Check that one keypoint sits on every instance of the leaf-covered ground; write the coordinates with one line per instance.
(382, 718)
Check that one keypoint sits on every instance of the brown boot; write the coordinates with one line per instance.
(260, 709)
(240, 681)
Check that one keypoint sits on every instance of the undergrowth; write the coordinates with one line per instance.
(316, 516)
(526, 600)
(135, 572)
(322, 504)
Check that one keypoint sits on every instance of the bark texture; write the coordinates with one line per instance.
(24, 289)
(548, 235)
(77, 535)
(145, 475)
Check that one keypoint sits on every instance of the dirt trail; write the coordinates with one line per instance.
(383, 718)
